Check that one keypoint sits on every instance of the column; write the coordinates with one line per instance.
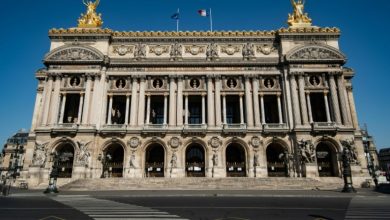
(302, 98)
(186, 109)
(203, 110)
(224, 108)
(335, 100)
(87, 100)
(179, 101)
(109, 110)
(280, 110)
(343, 100)
(210, 102)
(103, 96)
(165, 108)
(248, 103)
(141, 103)
(255, 88)
(309, 107)
(217, 94)
(133, 106)
(241, 110)
(351, 108)
(96, 102)
(127, 109)
(329, 120)
(172, 109)
(56, 101)
(47, 100)
(148, 109)
(80, 108)
(63, 101)
(262, 109)
(297, 114)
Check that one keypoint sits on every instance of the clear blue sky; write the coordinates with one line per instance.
(364, 25)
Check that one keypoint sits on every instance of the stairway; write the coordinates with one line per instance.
(274, 183)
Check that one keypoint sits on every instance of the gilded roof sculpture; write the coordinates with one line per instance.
(90, 19)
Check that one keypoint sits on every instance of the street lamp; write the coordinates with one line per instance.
(347, 173)
(52, 188)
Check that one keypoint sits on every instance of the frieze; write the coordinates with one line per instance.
(122, 50)
(315, 53)
(72, 54)
(230, 49)
(266, 49)
(194, 49)
(159, 49)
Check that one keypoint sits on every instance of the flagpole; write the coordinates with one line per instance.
(211, 21)
(177, 20)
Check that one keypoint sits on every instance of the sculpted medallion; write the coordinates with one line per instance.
(122, 50)
(215, 142)
(175, 142)
(194, 49)
(159, 49)
(266, 49)
(133, 142)
(230, 49)
(255, 142)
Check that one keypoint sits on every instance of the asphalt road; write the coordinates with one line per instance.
(199, 205)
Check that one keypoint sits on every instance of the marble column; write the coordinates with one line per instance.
(63, 101)
(87, 100)
(203, 109)
(262, 109)
(217, 94)
(210, 103)
(165, 108)
(304, 109)
(248, 103)
(109, 110)
(127, 109)
(280, 110)
(241, 110)
(256, 105)
(224, 108)
(329, 120)
(47, 100)
(295, 100)
(133, 106)
(309, 107)
(172, 101)
(343, 100)
(148, 109)
(179, 101)
(141, 102)
(186, 109)
(80, 108)
(335, 100)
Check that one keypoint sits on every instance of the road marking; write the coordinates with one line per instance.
(51, 217)
(369, 208)
(102, 209)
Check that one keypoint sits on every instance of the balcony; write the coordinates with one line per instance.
(275, 128)
(195, 129)
(65, 128)
(234, 129)
(114, 128)
(155, 129)
(324, 127)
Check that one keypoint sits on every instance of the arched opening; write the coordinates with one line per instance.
(235, 161)
(65, 152)
(195, 161)
(326, 160)
(113, 162)
(276, 160)
(154, 161)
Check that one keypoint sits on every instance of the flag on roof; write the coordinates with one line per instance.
(203, 12)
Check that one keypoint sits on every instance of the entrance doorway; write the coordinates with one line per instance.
(195, 161)
(276, 164)
(235, 161)
(154, 161)
(65, 163)
(113, 166)
(326, 160)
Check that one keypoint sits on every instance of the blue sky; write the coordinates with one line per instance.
(364, 26)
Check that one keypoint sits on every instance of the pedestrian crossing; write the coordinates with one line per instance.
(102, 209)
(375, 207)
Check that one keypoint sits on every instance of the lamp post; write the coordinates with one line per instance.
(347, 173)
(52, 188)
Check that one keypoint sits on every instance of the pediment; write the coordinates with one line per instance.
(315, 53)
(74, 53)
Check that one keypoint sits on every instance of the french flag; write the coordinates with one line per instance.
(203, 12)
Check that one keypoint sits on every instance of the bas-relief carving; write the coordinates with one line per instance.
(39, 157)
(122, 50)
(140, 51)
(83, 154)
(194, 49)
(266, 49)
(315, 53)
(159, 49)
(351, 151)
(176, 51)
(175, 142)
(248, 51)
(307, 151)
(74, 54)
(212, 52)
(133, 142)
(230, 49)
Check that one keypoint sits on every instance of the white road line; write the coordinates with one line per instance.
(368, 208)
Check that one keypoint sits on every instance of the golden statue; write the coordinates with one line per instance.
(90, 19)
(298, 18)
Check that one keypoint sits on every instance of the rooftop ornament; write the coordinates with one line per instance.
(299, 18)
(90, 19)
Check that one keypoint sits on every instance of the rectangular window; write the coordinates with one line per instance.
(71, 108)
(318, 107)
(271, 109)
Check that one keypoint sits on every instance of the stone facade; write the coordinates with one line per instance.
(178, 104)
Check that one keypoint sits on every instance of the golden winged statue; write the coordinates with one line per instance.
(299, 17)
(90, 19)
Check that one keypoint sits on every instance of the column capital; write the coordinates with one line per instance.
(148, 94)
(203, 94)
(63, 93)
(128, 94)
(326, 92)
(166, 94)
(172, 77)
(223, 94)
(307, 92)
(335, 73)
(82, 93)
(185, 94)
(261, 94)
(110, 95)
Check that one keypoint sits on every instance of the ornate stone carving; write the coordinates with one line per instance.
(352, 151)
(194, 49)
(90, 19)
(176, 51)
(76, 53)
(307, 152)
(83, 154)
(255, 142)
(215, 159)
(39, 157)
(230, 49)
(215, 142)
(174, 160)
(299, 18)
(159, 49)
(132, 160)
(133, 142)
(248, 51)
(266, 49)
(315, 53)
(122, 50)
(212, 52)
(140, 51)
(175, 142)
